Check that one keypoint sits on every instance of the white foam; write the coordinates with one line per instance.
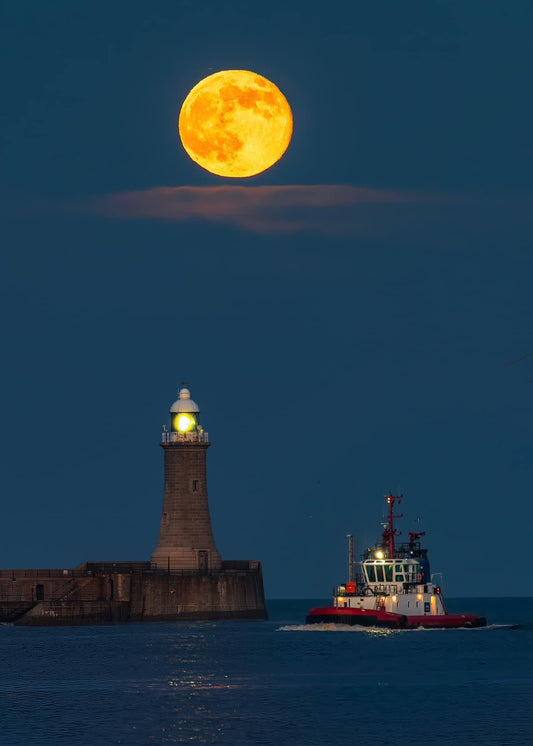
(334, 628)
(383, 630)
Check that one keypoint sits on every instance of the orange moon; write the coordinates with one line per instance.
(235, 123)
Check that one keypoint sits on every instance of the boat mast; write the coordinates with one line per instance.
(390, 532)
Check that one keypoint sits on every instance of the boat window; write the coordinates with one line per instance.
(379, 573)
(370, 571)
(398, 578)
(398, 568)
(388, 573)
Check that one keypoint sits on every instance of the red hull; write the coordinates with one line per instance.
(451, 621)
(365, 617)
(380, 618)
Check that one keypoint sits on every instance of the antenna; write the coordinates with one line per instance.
(350, 558)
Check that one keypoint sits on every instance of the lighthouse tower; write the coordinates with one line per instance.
(186, 539)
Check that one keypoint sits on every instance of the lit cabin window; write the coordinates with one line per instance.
(410, 572)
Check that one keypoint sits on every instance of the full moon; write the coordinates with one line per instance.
(235, 123)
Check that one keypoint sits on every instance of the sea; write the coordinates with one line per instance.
(272, 682)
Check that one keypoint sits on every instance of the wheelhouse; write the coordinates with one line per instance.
(391, 571)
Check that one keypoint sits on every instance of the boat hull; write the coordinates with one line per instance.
(364, 617)
(381, 618)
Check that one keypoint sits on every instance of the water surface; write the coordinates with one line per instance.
(274, 682)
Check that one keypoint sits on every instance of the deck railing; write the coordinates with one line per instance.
(194, 437)
(128, 568)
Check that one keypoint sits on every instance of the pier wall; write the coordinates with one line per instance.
(208, 596)
(100, 593)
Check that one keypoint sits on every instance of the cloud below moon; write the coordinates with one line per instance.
(328, 208)
(323, 209)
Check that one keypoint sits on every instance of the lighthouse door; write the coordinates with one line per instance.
(203, 559)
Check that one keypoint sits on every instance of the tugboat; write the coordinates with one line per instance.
(394, 588)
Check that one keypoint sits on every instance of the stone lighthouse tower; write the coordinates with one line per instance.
(185, 579)
(186, 539)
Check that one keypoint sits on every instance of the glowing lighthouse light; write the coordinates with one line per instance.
(184, 423)
(185, 413)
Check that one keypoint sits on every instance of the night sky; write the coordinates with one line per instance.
(357, 319)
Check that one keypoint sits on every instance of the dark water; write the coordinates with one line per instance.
(270, 682)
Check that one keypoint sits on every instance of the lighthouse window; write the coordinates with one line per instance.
(195, 485)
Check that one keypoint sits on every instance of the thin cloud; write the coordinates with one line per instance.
(263, 209)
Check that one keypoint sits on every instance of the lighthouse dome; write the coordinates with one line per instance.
(184, 403)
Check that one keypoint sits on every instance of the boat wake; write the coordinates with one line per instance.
(335, 628)
(384, 631)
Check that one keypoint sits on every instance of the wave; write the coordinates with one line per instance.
(383, 630)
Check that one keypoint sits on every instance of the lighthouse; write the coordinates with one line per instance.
(185, 580)
(186, 540)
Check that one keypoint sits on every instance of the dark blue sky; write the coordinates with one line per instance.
(341, 343)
